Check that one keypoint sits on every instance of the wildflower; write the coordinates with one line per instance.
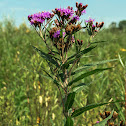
(90, 21)
(70, 29)
(123, 50)
(57, 34)
(80, 9)
(38, 120)
(97, 122)
(39, 18)
(64, 13)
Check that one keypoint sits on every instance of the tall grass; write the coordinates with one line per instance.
(27, 99)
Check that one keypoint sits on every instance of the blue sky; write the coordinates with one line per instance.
(100, 10)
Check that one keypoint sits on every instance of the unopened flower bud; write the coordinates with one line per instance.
(68, 7)
(81, 42)
(77, 4)
(96, 24)
(80, 5)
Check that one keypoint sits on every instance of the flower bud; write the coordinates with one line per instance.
(80, 5)
(77, 4)
(96, 24)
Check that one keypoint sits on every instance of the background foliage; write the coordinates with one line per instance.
(28, 99)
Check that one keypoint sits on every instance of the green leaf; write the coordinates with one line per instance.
(61, 32)
(47, 57)
(88, 107)
(69, 121)
(87, 74)
(104, 122)
(80, 69)
(98, 42)
(77, 56)
(79, 87)
(82, 52)
(69, 101)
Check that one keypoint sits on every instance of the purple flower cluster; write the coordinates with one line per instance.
(64, 12)
(76, 17)
(68, 13)
(83, 12)
(40, 17)
(57, 34)
(90, 20)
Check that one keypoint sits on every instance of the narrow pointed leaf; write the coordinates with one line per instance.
(89, 107)
(87, 74)
(98, 42)
(47, 56)
(69, 121)
(82, 52)
(80, 69)
(79, 87)
(104, 122)
(70, 100)
(77, 56)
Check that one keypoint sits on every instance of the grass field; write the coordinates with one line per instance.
(28, 99)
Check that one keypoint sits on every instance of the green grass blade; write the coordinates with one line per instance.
(69, 121)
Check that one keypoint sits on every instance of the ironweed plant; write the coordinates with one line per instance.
(59, 36)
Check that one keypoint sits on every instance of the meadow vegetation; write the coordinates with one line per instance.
(26, 98)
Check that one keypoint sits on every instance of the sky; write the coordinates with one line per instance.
(100, 10)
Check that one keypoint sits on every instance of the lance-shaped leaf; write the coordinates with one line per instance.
(70, 100)
(79, 87)
(69, 121)
(77, 56)
(80, 69)
(87, 74)
(82, 52)
(88, 107)
(47, 57)
(104, 122)
(98, 42)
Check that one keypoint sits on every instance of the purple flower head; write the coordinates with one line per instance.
(83, 12)
(76, 17)
(57, 34)
(93, 25)
(97, 122)
(40, 17)
(64, 12)
(90, 20)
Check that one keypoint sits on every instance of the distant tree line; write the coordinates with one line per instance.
(121, 25)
